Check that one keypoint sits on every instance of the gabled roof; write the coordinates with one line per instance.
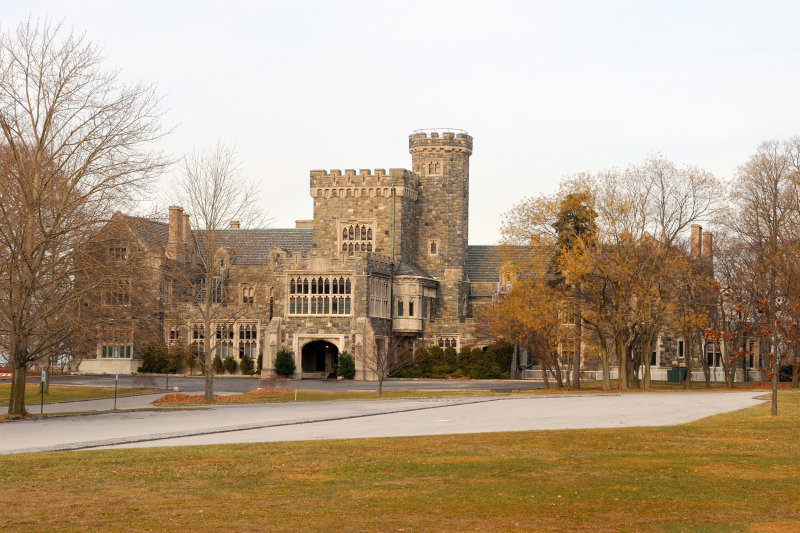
(483, 263)
(405, 268)
(252, 246)
(153, 233)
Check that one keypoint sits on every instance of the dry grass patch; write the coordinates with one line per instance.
(68, 393)
(682, 478)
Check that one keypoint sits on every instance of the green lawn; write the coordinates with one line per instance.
(65, 393)
(738, 471)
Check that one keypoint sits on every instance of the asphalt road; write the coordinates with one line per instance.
(232, 384)
(362, 419)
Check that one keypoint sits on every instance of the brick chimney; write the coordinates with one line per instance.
(174, 243)
(708, 249)
(187, 228)
(234, 224)
(697, 235)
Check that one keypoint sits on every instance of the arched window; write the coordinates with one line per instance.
(305, 305)
(369, 234)
(363, 233)
(334, 307)
(344, 246)
(347, 286)
(291, 305)
(350, 248)
(369, 246)
(305, 286)
(363, 247)
(335, 286)
(292, 286)
(327, 304)
(347, 305)
(344, 233)
(351, 233)
(341, 305)
(313, 286)
(358, 231)
(433, 247)
(327, 286)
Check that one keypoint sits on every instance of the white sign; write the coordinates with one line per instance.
(42, 375)
(117, 378)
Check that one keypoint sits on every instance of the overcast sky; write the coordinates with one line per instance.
(546, 89)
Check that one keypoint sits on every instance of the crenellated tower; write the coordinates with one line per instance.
(441, 160)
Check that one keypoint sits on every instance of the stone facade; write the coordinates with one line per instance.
(386, 255)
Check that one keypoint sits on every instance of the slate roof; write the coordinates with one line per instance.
(153, 233)
(251, 246)
(483, 263)
(404, 268)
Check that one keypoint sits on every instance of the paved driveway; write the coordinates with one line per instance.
(357, 419)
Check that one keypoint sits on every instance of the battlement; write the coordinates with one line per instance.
(436, 139)
(336, 183)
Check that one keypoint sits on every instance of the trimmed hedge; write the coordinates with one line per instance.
(433, 362)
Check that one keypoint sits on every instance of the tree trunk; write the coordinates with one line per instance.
(576, 358)
(704, 360)
(209, 385)
(622, 362)
(688, 354)
(16, 400)
(380, 385)
(776, 369)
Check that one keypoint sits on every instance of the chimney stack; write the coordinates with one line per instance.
(175, 233)
(234, 224)
(708, 250)
(697, 235)
(187, 228)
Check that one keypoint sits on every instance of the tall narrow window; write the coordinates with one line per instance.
(399, 307)
(411, 308)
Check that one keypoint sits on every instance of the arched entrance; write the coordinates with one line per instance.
(319, 359)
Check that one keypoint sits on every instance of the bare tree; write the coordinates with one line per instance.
(214, 193)
(75, 146)
(384, 355)
(766, 218)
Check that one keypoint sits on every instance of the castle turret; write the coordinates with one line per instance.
(441, 160)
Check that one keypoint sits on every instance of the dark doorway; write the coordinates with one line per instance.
(320, 357)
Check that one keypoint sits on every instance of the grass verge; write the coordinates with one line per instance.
(66, 393)
(733, 472)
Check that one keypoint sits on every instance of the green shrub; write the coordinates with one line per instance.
(219, 367)
(284, 362)
(346, 368)
(230, 364)
(435, 354)
(246, 365)
(155, 359)
(450, 356)
(259, 364)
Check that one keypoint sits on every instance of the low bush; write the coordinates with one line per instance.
(230, 364)
(346, 368)
(246, 365)
(284, 362)
(219, 367)
(259, 364)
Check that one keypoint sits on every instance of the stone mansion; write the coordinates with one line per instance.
(386, 255)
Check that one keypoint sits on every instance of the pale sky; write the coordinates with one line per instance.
(546, 89)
